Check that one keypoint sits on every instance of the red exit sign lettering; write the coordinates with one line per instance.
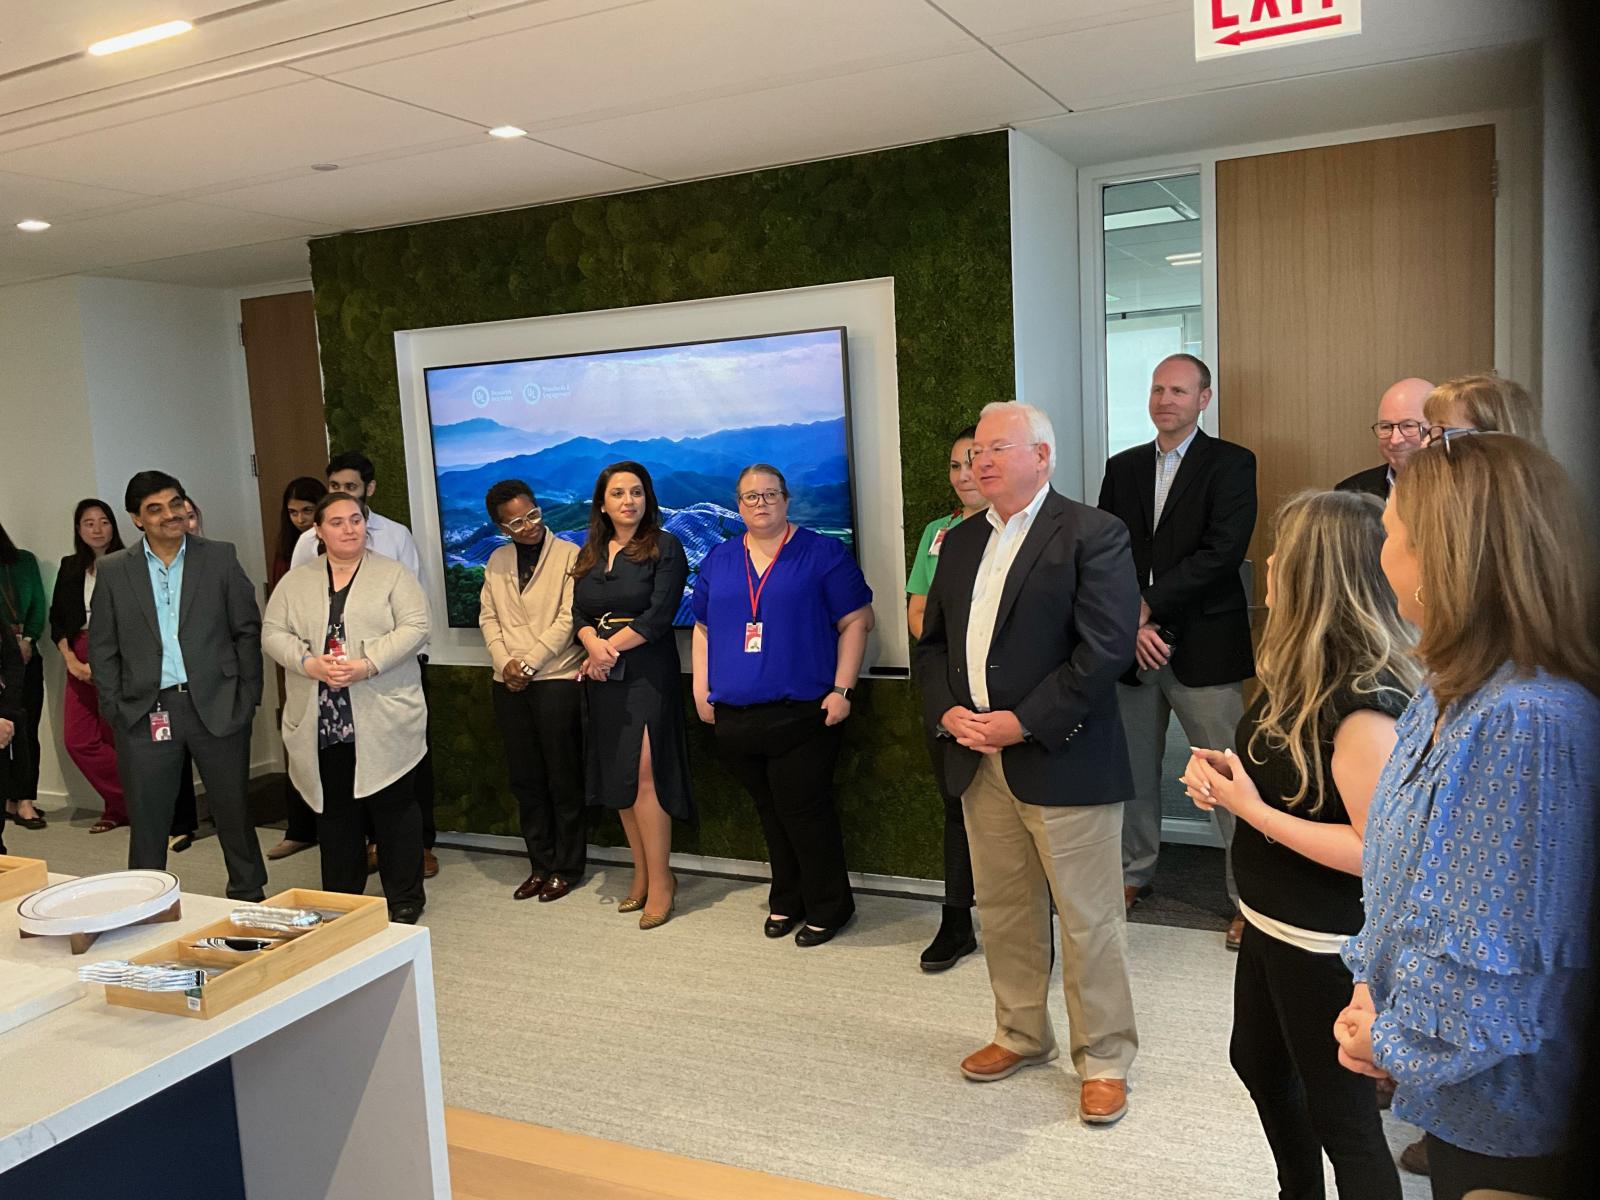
(1227, 27)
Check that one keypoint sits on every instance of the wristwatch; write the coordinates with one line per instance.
(840, 691)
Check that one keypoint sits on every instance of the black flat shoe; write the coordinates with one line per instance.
(178, 843)
(777, 927)
(816, 937)
(34, 822)
(405, 914)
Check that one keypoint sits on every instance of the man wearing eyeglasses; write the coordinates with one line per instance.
(525, 612)
(1401, 429)
(1029, 622)
(1189, 502)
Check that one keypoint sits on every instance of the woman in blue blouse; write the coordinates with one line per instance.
(781, 622)
(1474, 968)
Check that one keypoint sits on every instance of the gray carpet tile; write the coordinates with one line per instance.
(835, 1064)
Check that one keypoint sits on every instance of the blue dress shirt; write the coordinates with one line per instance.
(1476, 880)
(167, 584)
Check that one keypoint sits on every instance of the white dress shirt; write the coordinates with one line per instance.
(1005, 539)
(1167, 465)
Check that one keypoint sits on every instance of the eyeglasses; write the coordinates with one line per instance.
(1410, 430)
(1444, 435)
(527, 521)
(977, 452)
(756, 499)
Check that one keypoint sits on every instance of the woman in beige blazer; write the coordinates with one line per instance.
(346, 629)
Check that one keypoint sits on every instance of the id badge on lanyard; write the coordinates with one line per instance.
(160, 725)
(753, 637)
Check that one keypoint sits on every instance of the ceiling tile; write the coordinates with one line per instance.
(23, 196)
(670, 51)
(997, 21)
(241, 138)
(235, 266)
(963, 93)
(485, 175)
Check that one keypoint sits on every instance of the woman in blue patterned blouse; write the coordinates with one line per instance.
(1473, 967)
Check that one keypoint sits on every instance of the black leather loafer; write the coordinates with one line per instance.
(816, 937)
(405, 914)
(777, 927)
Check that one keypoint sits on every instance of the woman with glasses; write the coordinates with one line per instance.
(628, 590)
(1474, 967)
(1336, 669)
(89, 739)
(955, 938)
(781, 622)
(525, 613)
(1485, 403)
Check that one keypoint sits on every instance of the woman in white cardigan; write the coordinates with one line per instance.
(346, 629)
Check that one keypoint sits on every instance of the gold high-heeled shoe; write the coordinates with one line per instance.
(630, 904)
(656, 920)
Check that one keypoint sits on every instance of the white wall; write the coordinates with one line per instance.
(1044, 297)
(106, 377)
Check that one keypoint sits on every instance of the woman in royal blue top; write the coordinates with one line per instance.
(1474, 967)
(781, 622)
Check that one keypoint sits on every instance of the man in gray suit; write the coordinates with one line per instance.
(175, 649)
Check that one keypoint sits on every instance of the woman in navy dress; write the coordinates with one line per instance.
(629, 585)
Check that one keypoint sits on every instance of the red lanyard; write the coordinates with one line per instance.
(749, 571)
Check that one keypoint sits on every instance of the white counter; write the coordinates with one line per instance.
(335, 1072)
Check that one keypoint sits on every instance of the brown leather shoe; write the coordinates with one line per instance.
(430, 864)
(555, 888)
(1414, 1158)
(996, 1062)
(1102, 1101)
(531, 886)
(1235, 933)
(1132, 895)
(372, 858)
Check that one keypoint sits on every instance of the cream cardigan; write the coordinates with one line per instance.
(385, 620)
(532, 623)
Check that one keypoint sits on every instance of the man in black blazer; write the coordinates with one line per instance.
(175, 648)
(1189, 502)
(1399, 429)
(1029, 622)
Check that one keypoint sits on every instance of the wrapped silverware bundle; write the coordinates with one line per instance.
(279, 920)
(148, 977)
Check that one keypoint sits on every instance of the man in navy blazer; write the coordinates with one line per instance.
(1029, 623)
(175, 648)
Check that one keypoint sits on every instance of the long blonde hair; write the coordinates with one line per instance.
(1490, 404)
(1506, 564)
(1333, 628)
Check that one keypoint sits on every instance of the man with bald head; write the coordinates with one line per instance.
(1399, 430)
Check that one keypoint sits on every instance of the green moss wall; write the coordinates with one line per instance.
(936, 217)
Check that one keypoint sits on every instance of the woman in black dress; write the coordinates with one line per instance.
(629, 585)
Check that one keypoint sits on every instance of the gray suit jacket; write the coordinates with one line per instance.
(219, 629)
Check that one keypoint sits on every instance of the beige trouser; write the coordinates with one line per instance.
(1022, 855)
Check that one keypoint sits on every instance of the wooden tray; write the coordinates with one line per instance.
(250, 974)
(21, 876)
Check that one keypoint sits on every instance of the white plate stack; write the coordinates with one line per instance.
(97, 903)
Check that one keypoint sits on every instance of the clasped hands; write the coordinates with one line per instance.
(1215, 778)
(602, 657)
(339, 672)
(987, 732)
(1352, 1029)
(1149, 650)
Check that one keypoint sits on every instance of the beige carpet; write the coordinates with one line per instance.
(835, 1065)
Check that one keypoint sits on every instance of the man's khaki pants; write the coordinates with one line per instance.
(1022, 856)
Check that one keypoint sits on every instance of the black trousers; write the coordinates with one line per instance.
(1285, 1001)
(784, 755)
(422, 784)
(151, 776)
(185, 810)
(302, 822)
(1455, 1173)
(957, 856)
(24, 773)
(543, 730)
(342, 831)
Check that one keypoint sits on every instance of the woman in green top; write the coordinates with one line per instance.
(954, 938)
(23, 609)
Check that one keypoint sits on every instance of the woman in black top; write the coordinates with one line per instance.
(1335, 671)
(629, 585)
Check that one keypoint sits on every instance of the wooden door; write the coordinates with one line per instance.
(1339, 271)
(280, 350)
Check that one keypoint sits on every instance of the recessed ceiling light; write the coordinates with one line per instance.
(1192, 259)
(324, 166)
(33, 226)
(507, 131)
(1138, 218)
(140, 37)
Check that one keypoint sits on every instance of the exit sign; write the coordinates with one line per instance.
(1226, 27)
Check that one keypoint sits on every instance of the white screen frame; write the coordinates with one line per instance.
(866, 309)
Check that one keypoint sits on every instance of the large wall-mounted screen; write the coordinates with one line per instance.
(694, 414)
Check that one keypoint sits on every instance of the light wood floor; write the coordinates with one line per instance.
(495, 1159)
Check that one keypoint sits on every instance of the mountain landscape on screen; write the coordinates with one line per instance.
(693, 464)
